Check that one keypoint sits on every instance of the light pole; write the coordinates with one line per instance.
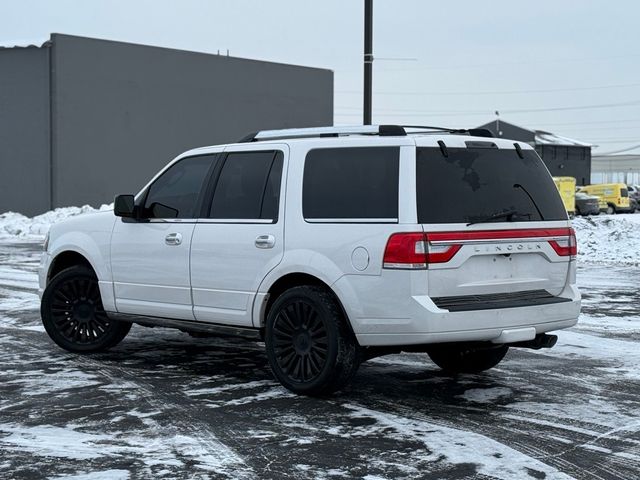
(368, 60)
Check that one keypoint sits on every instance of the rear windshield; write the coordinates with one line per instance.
(472, 184)
(624, 192)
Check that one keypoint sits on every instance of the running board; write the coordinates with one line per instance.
(187, 325)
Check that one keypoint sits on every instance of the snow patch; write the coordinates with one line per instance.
(15, 226)
(486, 395)
(492, 458)
(608, 239)
(104, 475)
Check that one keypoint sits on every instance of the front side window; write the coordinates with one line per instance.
(356, 184)
(176, 192)
(472, 184)
(248, 187)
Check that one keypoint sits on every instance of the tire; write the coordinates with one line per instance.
(467, 360)
(611, 209)
(73, 315)
(310, 348)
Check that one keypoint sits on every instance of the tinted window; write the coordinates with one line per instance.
(356, 183)
(472, 184)
(176, 192)
(624, 192)
(248, 186)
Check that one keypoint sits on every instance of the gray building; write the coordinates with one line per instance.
(83, 119)
(564, 157)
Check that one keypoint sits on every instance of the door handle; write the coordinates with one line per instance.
(265, 241)
(173, 239)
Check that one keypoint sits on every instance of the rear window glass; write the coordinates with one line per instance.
(624, 192)
(472, 184)
(356, 183)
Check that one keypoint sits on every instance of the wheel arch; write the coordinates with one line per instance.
(297, 279)
(66, 259)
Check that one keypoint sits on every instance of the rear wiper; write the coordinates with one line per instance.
(517, 185)
(508, 214)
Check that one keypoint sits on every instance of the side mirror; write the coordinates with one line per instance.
(124, 206)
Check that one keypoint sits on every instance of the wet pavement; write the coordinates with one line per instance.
(165, 405)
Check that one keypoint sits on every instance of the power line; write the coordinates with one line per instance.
(601, 129)
(627, 120)
(628, 149)
(615, 140)
(523, 62)
(506, 92)
(419, 113)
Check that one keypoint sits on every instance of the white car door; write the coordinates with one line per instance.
(150, 254)
(242, 238)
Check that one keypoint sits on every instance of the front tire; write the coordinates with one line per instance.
(73, 315)
(310, 348)
(467, 359)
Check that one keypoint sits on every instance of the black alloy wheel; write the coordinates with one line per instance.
(73, 315)
(300, 341)
(309, 345)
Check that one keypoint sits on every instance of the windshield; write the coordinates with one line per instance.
(472, 184)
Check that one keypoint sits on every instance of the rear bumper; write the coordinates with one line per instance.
(590, 210)
(425, 323)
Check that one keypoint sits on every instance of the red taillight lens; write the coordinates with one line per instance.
(413, 251)
(566, 247)
(406, 250)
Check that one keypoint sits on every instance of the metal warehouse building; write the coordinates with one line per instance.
(564, 157)
(623, 168)
(83, 119)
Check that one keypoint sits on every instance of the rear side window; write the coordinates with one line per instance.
(248, 187)
(472, 184)
(175, 193)
(351, 184)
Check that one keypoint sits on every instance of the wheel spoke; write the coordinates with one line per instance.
(314, 363)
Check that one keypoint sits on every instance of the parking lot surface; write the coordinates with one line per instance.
(165, 405)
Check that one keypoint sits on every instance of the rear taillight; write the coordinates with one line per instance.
(413, 251)
(406, 250)
(566, 247)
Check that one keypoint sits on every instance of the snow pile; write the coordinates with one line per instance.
(17, 226)
(608, 239)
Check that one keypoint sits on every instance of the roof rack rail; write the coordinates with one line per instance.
(474, 132)
(380, 130)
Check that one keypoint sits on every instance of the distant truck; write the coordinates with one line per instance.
(616, 195)
(567, 188)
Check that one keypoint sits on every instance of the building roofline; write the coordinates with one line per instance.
(179, 50)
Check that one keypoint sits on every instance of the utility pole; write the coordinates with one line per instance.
(368, 60)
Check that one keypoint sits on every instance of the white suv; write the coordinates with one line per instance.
(332, 245)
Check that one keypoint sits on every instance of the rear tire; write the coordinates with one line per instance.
(611, 209)
(73, 315)
(310, 348)
(466, 359)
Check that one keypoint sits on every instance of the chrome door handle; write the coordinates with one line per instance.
(173, 239)
(265, 241)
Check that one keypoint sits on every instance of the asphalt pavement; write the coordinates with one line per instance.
(165, 405)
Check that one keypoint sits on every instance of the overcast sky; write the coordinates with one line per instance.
(567, 66)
